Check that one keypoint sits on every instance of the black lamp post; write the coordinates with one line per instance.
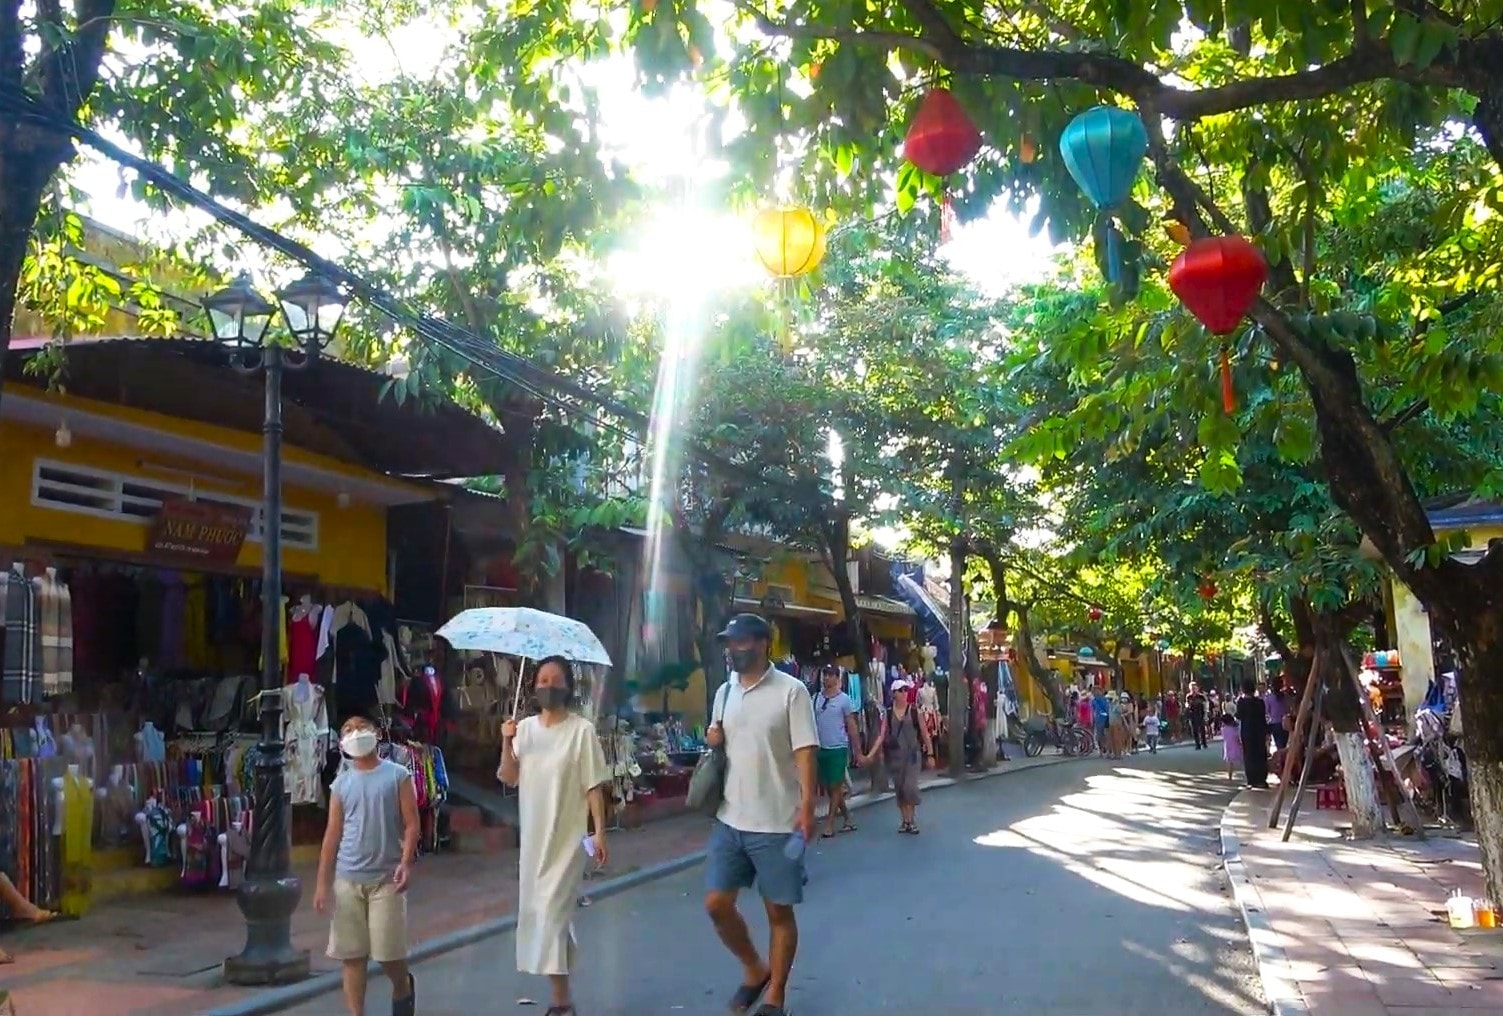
(241, 319)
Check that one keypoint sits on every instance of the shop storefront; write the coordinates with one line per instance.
(130, 544)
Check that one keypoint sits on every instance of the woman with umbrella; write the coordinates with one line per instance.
(555, 761)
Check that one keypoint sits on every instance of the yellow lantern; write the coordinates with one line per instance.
(789, 241)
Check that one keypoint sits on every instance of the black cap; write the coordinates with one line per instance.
(746, 626)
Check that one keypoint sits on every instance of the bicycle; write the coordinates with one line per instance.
(1069, 740)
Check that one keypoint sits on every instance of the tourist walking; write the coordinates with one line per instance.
(764, 720)
(835, 722)
(1252, 725)
(556, 763)
(1151, 729)
(364, 865)
(1231, 744)
(1101, 715)
(1196, 706)
(901, 741)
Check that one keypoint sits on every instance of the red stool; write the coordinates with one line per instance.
(1331, 796)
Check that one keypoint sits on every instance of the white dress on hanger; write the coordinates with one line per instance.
(305, 730)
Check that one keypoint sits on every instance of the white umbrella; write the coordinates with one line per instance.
(522, 631)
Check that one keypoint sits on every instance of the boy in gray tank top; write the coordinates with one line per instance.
(364, 866)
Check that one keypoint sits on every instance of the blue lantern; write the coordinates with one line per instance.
(1086, 652)
(1103, 148)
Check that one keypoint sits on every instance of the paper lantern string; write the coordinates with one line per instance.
(1228, 392)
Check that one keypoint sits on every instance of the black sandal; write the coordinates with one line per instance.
(746, 996)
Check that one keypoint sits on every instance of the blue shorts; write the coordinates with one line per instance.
(734, 860)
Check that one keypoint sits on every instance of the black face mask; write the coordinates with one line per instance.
(552, 697)
(743, 660)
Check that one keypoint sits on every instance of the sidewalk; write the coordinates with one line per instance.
(1358, 929)
(161, 954)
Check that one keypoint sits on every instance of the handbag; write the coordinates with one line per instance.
(707, 783)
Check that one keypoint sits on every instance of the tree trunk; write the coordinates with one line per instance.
(837, 540)
(1481, 662)
(1360, 778)
(1005, 608)
(22, 183)
(959, 693)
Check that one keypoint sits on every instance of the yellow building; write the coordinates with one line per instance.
(1408, 622)
(87, 465)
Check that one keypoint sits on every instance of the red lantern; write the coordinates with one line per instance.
(1094, 613)
(1207, 590)
(942, 137)
(1218, 279)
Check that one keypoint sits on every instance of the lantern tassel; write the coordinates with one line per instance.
(946, 218)
(1228, 393)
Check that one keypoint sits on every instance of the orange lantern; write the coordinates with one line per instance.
(789, 242)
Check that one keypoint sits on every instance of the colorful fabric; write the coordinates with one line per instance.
(54, 611)
(21, 670)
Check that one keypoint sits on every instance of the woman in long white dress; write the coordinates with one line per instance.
(555, 761)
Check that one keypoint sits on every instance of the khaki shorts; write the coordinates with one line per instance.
(370, 922)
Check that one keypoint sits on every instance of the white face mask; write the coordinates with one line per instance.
(359, 743)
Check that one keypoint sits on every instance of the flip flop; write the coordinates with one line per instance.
(827, 836)
(849, 827)
(746, 996)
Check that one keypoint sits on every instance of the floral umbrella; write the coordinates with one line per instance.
(525, 632)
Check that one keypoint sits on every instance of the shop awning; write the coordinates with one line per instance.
(883, 605)
(780, 609)
(331, 408)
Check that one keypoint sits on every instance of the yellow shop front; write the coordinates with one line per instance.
(130, 549)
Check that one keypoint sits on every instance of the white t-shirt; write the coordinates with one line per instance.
(764, 726)
(1151, 725)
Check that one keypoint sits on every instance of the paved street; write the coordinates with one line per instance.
(1077, 889)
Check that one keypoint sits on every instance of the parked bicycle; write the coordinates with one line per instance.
(1068, 739)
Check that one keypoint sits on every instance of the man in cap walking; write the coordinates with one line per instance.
(765, 720)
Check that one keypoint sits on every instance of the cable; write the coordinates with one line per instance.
(541, 382)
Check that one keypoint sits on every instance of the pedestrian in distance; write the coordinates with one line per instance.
(900, 741)
(556, 763)
(1196, 706)
(764, 721)
(364, 868)
(1151, 729)
(1101, 717)
(835, 721)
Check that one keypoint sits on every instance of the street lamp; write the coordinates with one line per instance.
(241, 319)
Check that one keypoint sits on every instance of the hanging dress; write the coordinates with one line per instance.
(558, 767)
(302, 642)
(78, 845)
(305, 730)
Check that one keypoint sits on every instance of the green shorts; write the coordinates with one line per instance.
(833, 763)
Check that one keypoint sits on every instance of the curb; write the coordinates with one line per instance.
(275, 1000)
(1281, 991)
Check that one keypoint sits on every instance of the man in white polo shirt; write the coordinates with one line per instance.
(765, 719)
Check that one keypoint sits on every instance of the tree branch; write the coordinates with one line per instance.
(1403, 416)
(67, 69)
(12, 54)
(939, 40)
(1275, 637)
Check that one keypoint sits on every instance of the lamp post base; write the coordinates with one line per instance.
(269, 956)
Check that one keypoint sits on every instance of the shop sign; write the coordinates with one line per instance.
(879, 605)
(205, 532)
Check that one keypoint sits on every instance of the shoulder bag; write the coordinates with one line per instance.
(707, 783)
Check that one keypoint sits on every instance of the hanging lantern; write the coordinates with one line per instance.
(1086, 652)
(1178, 232)
(789, 242)
(1103, 149)
(1163, 645)
(1094, 613)
(942, 137)
(1028, 150)
(1218, 279)
(1207, 589)
(941, 140)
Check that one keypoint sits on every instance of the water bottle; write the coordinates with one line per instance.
(794, 848)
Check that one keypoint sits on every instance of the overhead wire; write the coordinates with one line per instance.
(552, 388)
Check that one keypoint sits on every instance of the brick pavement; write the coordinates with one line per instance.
(1359, 929)
(160, 954)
